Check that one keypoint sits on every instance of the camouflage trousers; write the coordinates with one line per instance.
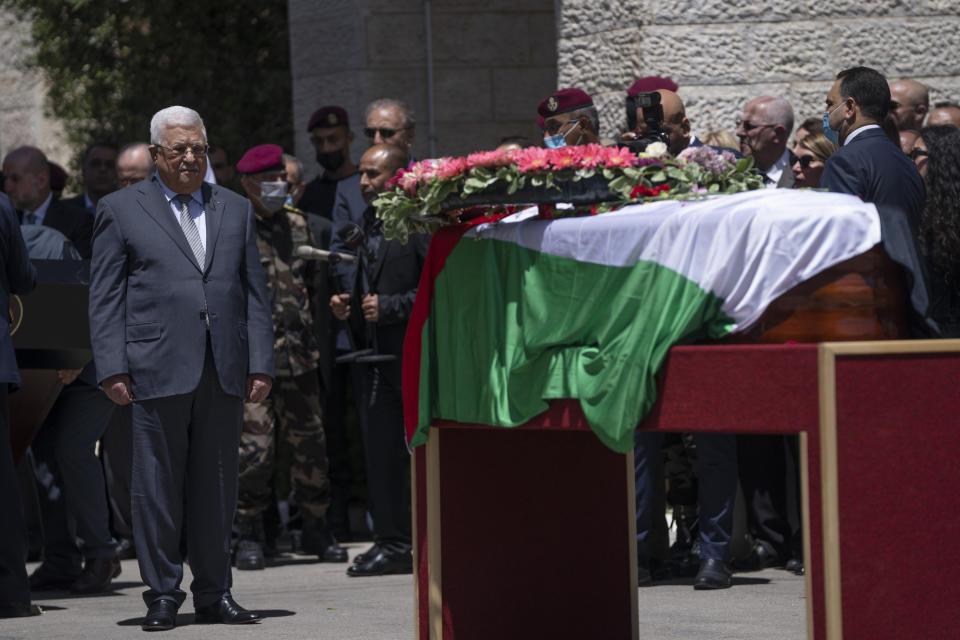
(287, 422)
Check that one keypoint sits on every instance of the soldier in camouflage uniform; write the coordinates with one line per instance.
(291, 415)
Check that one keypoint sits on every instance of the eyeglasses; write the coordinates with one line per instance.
(806, 161)
(918, 153)
(371, 132)
(179, 149)
(749, 126)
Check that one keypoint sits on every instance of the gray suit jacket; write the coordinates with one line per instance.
(150, 300)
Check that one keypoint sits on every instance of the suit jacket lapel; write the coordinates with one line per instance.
(213, 211)
(155, 204)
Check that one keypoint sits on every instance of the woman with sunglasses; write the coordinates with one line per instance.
(811, 152)
(937, 156)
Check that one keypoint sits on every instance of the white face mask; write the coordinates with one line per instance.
(273, 195)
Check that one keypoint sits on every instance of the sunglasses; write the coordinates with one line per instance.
(918, 153)
(749, 126)
(806, 161)
(371, 132)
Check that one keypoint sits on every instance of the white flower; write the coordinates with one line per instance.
(654, 150)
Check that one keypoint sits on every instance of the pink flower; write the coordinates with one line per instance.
(619, 157)
(591, 155)
(451, 167)
(488, 159)
(408, 182)
(565, 158)
(531, 159)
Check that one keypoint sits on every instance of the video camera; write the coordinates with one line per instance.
(649, 102)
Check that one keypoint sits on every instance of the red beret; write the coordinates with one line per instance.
(651, 83)
(263, 157)
(328, 117)
(541, 123)
(564, 100)
(58, 177)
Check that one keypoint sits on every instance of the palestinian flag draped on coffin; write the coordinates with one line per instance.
(512, 314)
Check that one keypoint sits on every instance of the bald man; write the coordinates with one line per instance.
(390, 272)
(28, 185)
(134, 164)
(944, 113)
(675, 122)
(764, 129)
(909, 103)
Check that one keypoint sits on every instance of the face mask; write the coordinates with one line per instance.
(273, 195)
(332, 160)
(560, 139)
(833, 135)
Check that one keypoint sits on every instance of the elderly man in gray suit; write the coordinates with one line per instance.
(764, 129)
(181, 328)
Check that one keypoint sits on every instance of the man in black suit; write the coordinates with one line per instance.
(180, 327)
(17, 276)
(28, 185)
(867, 164)
(386, 290)
(99, 175)
(764, 130)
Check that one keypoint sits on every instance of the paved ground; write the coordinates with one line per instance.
(303, 599)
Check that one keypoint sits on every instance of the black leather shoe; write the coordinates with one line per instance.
(18, 610)
(249, 556)
(794, 566)
(713, 574)
(761, 557)
(383, 563)
(225, 611)
(161, 616)
(96, 576)
(317, 538)
(46, 577)
(367, 555)
(125, 549)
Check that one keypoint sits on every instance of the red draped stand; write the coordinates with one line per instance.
(529, 532)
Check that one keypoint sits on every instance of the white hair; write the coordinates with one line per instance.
(173, 117)
(778, 110)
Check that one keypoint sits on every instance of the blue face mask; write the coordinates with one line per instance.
(560, 139)
(833, 135)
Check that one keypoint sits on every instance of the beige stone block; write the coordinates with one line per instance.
(472, 6)
(517, 92)
(541, 39)
(789, 51)
(868, 9)
(481, 38)
(584, 17)
(712, 11)
(602, 62)
(455, 139)
(338, 42)
(613, 120)
(696, 55)
(911, 47)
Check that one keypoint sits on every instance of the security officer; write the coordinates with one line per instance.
(291, 414)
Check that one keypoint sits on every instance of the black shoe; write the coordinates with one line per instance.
(318, 539)
(18, 610)
(225, 611)
(46, 578)
(249, 556)
(383, 563)
(125, 549)
(794, 566)
(161, 616)
(367, 555)
(761, 556)
(96, 576)
(644, 578)
(713, 574)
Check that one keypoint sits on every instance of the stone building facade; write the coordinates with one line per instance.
(494, 60)
(23, 118)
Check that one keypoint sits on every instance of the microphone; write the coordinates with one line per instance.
(312, 253)
(350, 234)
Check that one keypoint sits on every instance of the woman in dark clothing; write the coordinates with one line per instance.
(937, 156)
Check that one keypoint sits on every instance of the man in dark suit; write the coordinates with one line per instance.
(99, 175)
(181, 328)
(28, 185)
(867, 164)
(386, 288)
(17, 276)
(764, 130)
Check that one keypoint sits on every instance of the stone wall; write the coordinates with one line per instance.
(724, 52)
(22, 110)
(493, 61)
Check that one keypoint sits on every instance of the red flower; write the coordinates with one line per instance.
(488, 159)
(451, 167)
(591, 155)
(642, 191)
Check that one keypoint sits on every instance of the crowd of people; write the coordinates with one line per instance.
(222, 342)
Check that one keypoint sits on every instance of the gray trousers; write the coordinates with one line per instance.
(185, 452)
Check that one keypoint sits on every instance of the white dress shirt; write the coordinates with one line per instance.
(857, 131)
(776, 171)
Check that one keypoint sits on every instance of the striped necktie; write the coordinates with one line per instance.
(190, 229)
